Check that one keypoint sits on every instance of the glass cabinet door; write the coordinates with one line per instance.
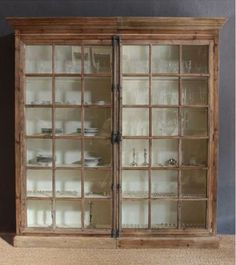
(165, 123)
(68, 123)
(162, 113)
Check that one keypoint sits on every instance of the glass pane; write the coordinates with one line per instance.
(165, 122)
(135, 121)
(194, 121)
(67, 121)
(165, 91)
(164, 214)
(39, 213)
(68, 153)
(165, 59)
(97, 183)
(38, 121)
(135, 59)
(38, 59)
(68, 214)
(97, 153)
(68, 183)
(39, 183)
(195, 59)
(97, 90)
(39, 152)
(67, 59)
(38, 90)
(165, 153)
(97, 59)
(194, 152)
(135, 214)
(164, 183)
(135, 91)
(134, 183)
(195, 91)
(68, 90)
(98, 214)
(135, 153)
(193, 214)
(194, 183)
(97, 122)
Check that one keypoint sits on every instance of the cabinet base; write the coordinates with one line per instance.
(111, 243)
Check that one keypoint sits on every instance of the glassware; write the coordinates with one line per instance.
(145, 163)
(134, 163)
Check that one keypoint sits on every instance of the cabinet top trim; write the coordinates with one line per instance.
(115, 24)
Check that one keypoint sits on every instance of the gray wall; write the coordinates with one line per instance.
(118, 8)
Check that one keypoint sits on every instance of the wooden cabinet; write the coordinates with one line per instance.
(116, 131)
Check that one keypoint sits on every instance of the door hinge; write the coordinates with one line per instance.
(118, 186)
(116, 137)
(115, 233)
(116, 40)
(116, 87)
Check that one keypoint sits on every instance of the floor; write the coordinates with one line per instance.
(52, 256)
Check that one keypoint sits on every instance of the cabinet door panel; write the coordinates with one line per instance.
(38, 59)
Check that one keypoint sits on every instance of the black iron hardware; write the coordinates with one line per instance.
(116, 137)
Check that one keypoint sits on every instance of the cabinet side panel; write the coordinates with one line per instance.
(215, 144)
(18, 129)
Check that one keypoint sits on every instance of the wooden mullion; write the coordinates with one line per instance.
(150, 140)
(114, 148)
(119, 108)
(82, 138)
(53, 143)
(179, 141)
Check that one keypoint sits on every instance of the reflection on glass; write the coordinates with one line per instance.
(164, 214)
(39, 152)
(194, 183)
(165, 122)
(135, 121)
(67, 121)
(195, 91)
(135, 153)
(165, 91)
(68, 183)
(194, 121)
(134, 183)
(39, 213)
(38, 59)
(165, 59)
(97, 122)
(165, 152)
(97, 184)
(98, 214)
(164, 183)
(97, 59)
(134, 214)
(195, 59)
(138, 54)
(38, 121)
(68, 153)
(39, 183)
(135, 91)
(38, 90)
(97, 90)
(67, 59)
(194, 152)
(68, 214)
(97, 153)
(68, 90)
(193, 214)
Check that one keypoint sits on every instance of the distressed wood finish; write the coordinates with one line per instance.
(100, 31)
